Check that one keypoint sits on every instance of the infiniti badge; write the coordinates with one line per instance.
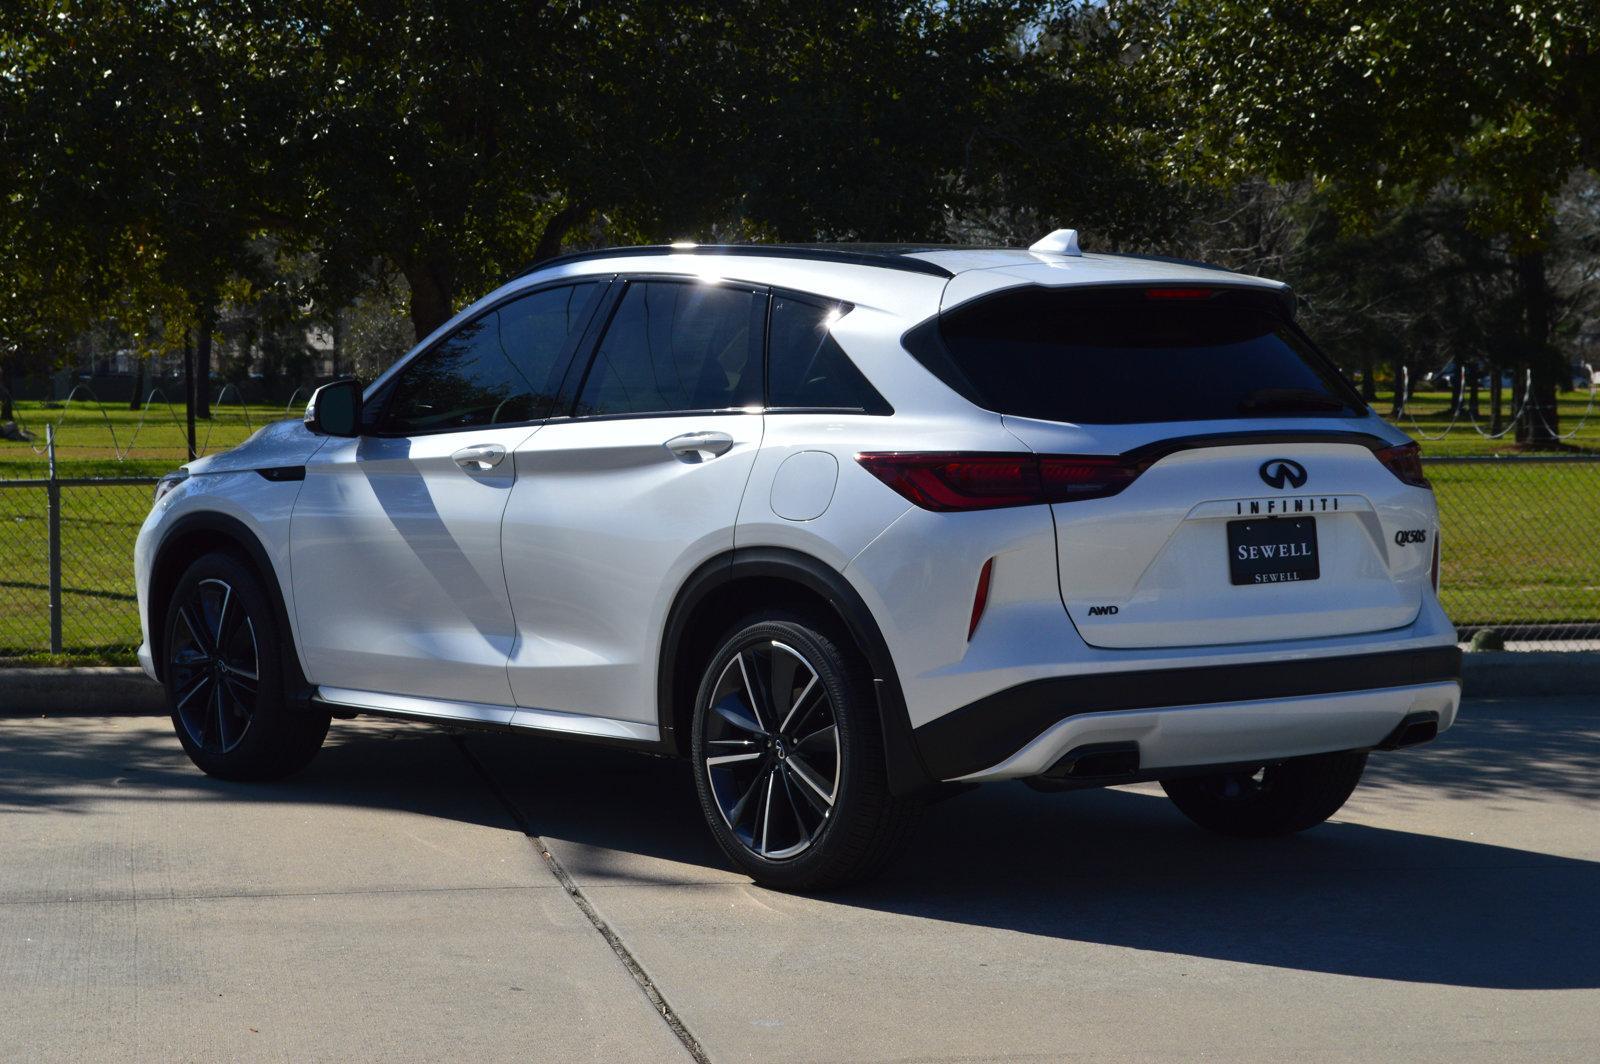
(1281, 472)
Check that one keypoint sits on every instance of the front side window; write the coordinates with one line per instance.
(677, 346)
(501, 368)
(806, 367)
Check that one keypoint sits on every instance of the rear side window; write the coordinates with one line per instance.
(677, 346)
(1121, 355)
(806, 367)
(500, 368)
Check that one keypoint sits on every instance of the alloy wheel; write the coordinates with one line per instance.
(772, 754)
(214, 667)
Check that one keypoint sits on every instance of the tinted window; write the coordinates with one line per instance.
(806, 367)
(534, 332)
(1111, 356)
(677, 347)
(500, 368)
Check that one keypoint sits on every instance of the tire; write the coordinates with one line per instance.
(230, 708)
(792, 778)
(1279, 799)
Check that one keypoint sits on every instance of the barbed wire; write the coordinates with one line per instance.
(1459, 405)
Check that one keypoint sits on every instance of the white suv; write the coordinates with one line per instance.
(849, 526)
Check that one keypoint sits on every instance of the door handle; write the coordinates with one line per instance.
(480, 457)
(695, 447)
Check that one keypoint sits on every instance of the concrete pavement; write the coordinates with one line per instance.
(393, 903)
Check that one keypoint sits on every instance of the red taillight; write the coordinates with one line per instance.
(981, 599)
(1179, 293)
(984, 481)
(1405, 462)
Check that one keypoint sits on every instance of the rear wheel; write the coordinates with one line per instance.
(1277, 799)
(224, 680)
(789, 760)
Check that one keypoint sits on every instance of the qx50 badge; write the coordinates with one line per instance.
(1281, 472)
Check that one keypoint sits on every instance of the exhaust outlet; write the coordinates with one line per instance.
(1414, 730)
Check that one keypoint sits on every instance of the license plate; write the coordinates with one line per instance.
(1273, 550)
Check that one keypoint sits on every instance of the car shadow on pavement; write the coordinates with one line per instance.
(1117, 867)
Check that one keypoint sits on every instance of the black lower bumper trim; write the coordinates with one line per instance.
(988, 731)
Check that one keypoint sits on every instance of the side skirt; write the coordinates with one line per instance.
(480, 714)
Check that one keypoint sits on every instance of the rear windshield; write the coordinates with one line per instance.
(1120, 355)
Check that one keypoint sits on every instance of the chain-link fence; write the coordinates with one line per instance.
(1521, 549)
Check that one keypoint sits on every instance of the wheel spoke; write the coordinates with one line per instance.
(800, 700)
(805, 833)
(196, 627)
(766, 816)
(809, 777)
(222, 716)
(197, 683)
(824, 739)
(242, 691)
(754, 696)
(736, 814)
(729, 759)
(737, 719)
(219, 637)
(782, 664)
(808, 792)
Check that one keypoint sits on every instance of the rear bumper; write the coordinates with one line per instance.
(1218, 714)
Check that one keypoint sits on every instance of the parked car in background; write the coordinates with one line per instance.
(847, 527)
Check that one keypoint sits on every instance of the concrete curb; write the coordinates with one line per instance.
(23, 692)
(1517, 673)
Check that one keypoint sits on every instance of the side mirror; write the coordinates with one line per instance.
(335, 408)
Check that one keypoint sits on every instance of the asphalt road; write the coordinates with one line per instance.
(395, 902)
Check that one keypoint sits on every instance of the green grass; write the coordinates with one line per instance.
(1521, 540)
(113, 441)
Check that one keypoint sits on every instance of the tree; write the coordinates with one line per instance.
(1383, 103)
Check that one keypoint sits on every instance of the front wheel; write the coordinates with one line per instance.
(224, 677)
(1278, 799)
(789, 759)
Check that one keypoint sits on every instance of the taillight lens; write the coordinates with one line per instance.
(1405, 462)
(1436, 560)
(985, 481)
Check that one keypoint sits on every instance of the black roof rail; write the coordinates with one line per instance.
(892, 257)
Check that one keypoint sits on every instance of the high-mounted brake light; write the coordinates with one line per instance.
(1405, 462)
(951, 481)
(1179, 293)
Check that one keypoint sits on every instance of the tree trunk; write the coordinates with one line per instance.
(8, 379)
(136, 401)
(202, 364)
(1541, 426)
(336, 331)
(431, 297)
(1369, 387)
(555, 230)
(1472, 369)
(188, 390)
(1399, 387)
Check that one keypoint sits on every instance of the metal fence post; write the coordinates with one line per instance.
(53, 493)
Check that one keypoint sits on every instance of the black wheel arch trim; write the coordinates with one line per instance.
(906, 771)
(984, 733)
(296, 686)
